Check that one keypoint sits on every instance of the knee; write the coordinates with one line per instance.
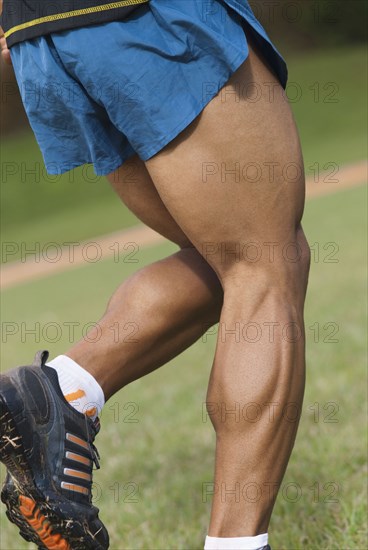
(256, 264)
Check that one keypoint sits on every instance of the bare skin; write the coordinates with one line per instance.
(4, 49)
(185, 193)
(160, 310)
(221, 214)
(218, 214)
(5, 53)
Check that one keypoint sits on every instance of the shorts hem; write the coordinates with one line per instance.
(166, 139)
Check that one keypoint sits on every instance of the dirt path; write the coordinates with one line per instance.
(124, 244)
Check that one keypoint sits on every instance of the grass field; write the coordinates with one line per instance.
(327, 93)
(157, 449)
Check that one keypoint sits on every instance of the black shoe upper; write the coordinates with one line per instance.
(57, 440)
(52, 429)
(79, 453)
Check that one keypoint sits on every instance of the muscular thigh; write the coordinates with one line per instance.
(235, 174)
(134, 186)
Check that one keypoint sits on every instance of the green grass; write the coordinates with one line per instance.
(39, 208)
(332, 110)
(163, 459)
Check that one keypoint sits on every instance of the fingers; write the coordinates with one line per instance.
(5, 53)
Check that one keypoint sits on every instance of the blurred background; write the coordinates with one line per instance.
(324, 43)
(156, 438)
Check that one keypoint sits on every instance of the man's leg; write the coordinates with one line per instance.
(238, 195)
(160, 310)
(49, 451)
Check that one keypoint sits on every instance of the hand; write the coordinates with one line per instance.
(5, 53)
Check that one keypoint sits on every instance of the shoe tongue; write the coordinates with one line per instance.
(52, 375)
(40, 358)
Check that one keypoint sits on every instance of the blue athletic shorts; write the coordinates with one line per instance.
(100, 94)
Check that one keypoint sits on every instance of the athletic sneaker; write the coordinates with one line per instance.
(47, 447)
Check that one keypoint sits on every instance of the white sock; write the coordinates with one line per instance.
(79, 387)
(236, 543)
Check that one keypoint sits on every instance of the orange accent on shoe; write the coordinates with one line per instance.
(77, 440)
(77, 473)
(78, 458)
(74, 395)
(73, 487)
(41, 525)
(91, 412)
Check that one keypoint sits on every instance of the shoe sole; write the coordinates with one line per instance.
(47, 524)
